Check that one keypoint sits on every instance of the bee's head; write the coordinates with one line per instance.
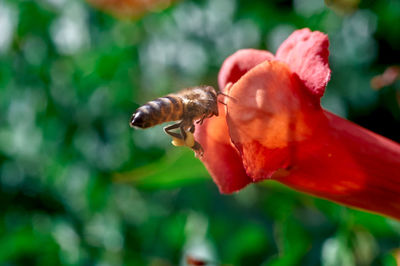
(211, 91)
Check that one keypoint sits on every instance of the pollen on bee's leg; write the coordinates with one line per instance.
(178, 142)
(189, 141)
(198, 150)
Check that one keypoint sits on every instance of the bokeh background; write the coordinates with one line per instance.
(79, 187)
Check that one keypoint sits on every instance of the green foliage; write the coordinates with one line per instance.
(177, 168)
(79, 187)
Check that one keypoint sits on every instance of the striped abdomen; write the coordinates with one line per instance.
(164, 109)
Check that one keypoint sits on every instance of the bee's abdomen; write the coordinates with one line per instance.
(168, 108)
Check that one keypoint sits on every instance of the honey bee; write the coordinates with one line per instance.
(186, 106)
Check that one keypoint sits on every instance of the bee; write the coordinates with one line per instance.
(186, 106)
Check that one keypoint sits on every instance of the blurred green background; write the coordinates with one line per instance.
(79, 187)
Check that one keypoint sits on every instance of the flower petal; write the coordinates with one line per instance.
(130, 8)
(283, 134)
(239, 63)
(269, 111)
(220, 157)
(307, 54)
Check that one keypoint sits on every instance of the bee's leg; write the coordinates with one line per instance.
(191, 129)
(183, 133)
(168, 131)
(196, 147)
(198, 150)
(200, 122)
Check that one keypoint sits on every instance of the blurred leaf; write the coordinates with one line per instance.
(26, 243)
(174, 231)
(245, 243)
(130, 8)
(364, 247)
(174, 170)
(374, 223)
(336, 251)
(390, 259)
(293, 243)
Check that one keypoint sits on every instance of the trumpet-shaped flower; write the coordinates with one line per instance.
(273, 127)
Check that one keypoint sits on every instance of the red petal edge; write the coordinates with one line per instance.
(237, 64)
(269, 112)
(307, 53)
(221, 159)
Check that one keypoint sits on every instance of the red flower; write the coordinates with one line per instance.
(273, 127)
(130, 8)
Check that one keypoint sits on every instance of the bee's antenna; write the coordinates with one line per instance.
(225, 95)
